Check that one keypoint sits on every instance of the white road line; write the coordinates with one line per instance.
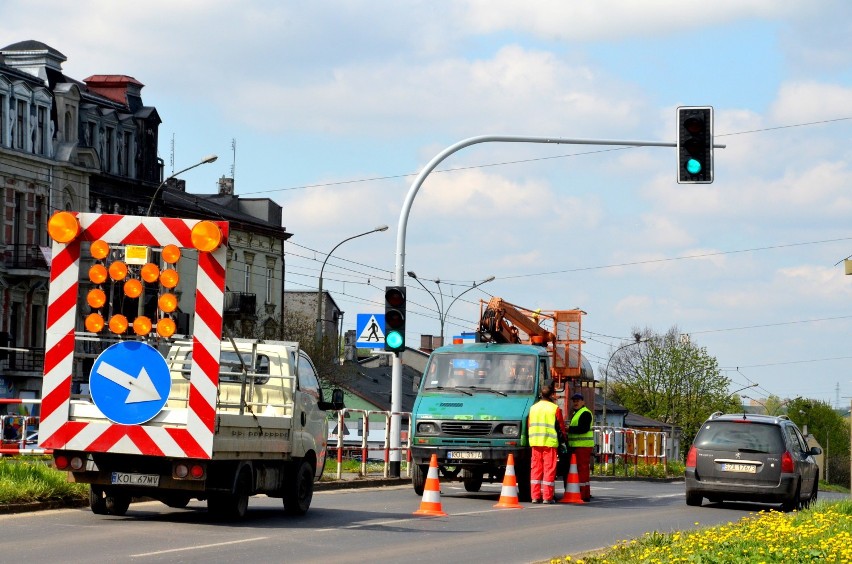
(196, 547)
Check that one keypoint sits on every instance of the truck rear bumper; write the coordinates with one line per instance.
(470, 457)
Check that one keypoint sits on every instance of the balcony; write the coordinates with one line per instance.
(240, 304)
(20, 363)
(26, 259)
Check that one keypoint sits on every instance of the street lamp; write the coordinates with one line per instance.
(442, 313)
(319, 290)
(637, 339)
(205, 160)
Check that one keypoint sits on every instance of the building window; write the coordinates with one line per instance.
(89, 134)
(20, 122)
(110, 138)
(2, 120)
(247, 281)
(40, 210)
(69, 125)
(269, 285)
(124, 154)
(40, 133)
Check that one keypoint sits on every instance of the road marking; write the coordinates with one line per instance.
(196, 547)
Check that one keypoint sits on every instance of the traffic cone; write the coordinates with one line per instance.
(431, 504)
(572, 488)
(509, 493)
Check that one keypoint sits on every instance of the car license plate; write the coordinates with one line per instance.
(747, 468)
(465, 454)
(125, 479)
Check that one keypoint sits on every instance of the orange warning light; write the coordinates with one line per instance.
(169, 278)
(63, 227)
(99, 249)
(96, 298)
(167, 302)
(132, 288)
(206, 236)
(94, 323)
(118, 324)
(142, 325)
(118, 271)
(98, 273)
(171, 254)
(150, 272)
(165, 327)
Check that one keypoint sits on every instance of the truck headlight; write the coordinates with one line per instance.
(509, 430)
(427, 428)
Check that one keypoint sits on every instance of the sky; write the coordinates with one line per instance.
(332, 108)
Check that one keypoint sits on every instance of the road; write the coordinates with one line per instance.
(358, 525)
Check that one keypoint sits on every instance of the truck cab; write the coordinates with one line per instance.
(471, 411)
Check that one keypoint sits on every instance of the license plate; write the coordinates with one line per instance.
(465, 454)
(125, 479)
(747, 468)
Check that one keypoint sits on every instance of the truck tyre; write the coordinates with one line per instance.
(472, 480)
(418, 477)
(300, 490)
(97, 502)
(117, 504)
(232, 505)
(177, 501)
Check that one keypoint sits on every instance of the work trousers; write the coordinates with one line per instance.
(543, 472)
(583, 457)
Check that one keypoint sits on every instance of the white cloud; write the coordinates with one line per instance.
(808, 101)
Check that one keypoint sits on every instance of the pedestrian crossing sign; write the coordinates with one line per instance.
(370, 331)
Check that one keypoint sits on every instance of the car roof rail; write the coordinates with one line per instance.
(782, 417)
(716, 414)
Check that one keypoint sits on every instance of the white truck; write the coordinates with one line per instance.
(166, 417)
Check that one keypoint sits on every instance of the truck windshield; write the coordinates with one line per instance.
(507, 373)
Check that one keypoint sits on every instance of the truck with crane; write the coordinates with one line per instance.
(474, 399)
(163, 416)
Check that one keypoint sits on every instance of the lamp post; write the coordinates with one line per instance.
(637, 339)
(443, 313)
(318, 335)
(205, 160)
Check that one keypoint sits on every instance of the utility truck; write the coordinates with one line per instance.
(167, 417)
(474, 399)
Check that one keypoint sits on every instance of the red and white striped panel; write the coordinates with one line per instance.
(56, 430)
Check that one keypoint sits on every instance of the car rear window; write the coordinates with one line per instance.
(733, 435)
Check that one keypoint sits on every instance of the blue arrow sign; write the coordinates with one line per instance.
(130, 382)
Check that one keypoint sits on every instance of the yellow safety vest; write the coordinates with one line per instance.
(578, 440)
(542, 426)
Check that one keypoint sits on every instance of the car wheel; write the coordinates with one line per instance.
(418, 478)
(813, 498)
(300, 492)
(694, 499)
(97, 501)
(794, 502)
(472, 480)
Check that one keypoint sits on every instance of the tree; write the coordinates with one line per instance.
(829, 428)
(670, 379)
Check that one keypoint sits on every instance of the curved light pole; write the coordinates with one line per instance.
(205, 160)
(318, 335)
(443, 313)
(637, 339)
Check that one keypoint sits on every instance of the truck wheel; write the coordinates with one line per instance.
(177, 501)
(300, 490)
(231, 505)
(117, 504)
(97, 503)
(472, 480)
(418, 478)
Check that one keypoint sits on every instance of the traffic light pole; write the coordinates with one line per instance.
(399, 271)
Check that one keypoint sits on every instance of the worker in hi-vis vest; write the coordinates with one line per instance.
(581, 442)
(546, 431)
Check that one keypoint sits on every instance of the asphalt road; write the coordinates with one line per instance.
(358, 525)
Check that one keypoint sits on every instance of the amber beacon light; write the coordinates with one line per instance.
(63, 227)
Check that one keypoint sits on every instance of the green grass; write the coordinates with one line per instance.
(32, 479)
(823, 532)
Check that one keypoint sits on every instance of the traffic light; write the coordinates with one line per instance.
(695, 145)
(394, 318)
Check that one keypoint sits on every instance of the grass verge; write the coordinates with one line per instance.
(25, 480)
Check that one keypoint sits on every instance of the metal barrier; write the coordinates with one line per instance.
(386, 449)
(16, 431)
(630, 445)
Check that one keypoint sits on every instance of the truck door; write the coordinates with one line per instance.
(311, 420)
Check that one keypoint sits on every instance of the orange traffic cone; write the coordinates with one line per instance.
(572, 489)
(431, 504)
(509, 493)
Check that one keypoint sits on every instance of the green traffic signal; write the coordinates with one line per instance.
(695, 144)
(693, 166)
(393, 340)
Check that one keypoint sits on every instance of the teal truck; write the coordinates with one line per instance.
(474, 399)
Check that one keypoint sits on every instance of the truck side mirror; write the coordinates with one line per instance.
(336, 402)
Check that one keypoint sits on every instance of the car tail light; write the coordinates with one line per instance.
(692, 457)
(787, 464)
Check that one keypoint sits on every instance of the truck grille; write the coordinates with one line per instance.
(466, 428)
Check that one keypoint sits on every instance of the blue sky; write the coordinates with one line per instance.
(333, 103)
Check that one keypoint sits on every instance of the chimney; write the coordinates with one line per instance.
(117, 87)
(426, 343)
(226, 186)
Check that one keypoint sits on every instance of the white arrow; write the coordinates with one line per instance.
(141, 388)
